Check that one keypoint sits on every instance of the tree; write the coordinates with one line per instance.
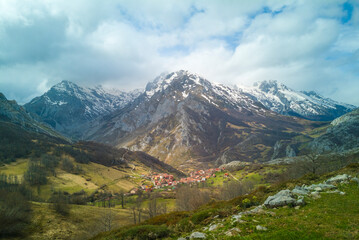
(36, 174)
(107, 220)
(234, 189)
(188, 199)
(60, 203)
(122, 195)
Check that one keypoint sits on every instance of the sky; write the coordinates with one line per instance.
(307, 45)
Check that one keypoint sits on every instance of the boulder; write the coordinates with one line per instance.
(261, 228)
(282, 198)
(232, 232)
(320, 187)
(300, 191)
(256, 210)
(213, 227)
(315, 195)
(338, 179)
(197, 235)
(300, 201)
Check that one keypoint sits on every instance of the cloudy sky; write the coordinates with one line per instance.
(308, 45)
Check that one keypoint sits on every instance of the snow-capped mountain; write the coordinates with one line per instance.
(66, 106)
(187, 121)
(310, 105)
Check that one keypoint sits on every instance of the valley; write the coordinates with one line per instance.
(177, 149)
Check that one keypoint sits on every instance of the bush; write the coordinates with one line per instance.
(146, 232)
(60, 203)
(184, 225)
(200, 216)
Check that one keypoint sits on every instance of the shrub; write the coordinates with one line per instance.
(184, 225)
(146, 232)
(200, 216)
(60, 203)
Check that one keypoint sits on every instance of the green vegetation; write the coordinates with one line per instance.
(332, 216)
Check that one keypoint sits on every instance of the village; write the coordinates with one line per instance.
(168, 181)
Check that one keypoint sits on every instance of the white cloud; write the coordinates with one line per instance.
(304, 44)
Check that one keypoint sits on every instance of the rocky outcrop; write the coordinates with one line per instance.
(283, 198)
(342, 135)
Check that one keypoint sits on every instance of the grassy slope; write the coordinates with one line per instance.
(333, 216)
(82, 223)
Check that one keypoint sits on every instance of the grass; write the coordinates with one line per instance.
(17, 168)
(82, 223)
(333, 216)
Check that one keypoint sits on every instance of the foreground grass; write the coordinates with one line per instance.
(333, 216)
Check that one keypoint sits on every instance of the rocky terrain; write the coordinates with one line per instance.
(187, 121)
(14, 114)
(342, 135)
(66, 106)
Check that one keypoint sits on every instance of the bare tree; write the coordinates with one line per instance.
(154, 207)
(133, 208)
(188, 198)
(122, 195)
(107, 220)
(234, 189)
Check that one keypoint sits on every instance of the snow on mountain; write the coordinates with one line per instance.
(186, 121)
(66, 105)
(281, 99)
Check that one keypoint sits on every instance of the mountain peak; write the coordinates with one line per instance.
(271, 86)
(64, 85)
(184, 77)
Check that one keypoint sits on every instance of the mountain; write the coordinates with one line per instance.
(11, 112)
(20, 134)
(340, 136)
(66, 105)
(309, 105)
(189, 122)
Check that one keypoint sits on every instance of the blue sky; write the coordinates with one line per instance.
(307, 45)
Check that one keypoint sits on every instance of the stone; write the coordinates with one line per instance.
(256, 210)
(232, 232)
(197, 235)
(355, 179)
(282, 198)
(181, 238)
(297, 207)
(300, 191)
(315, 195)
(261, 228)
(213, 227)
(300, 202)
(322, 186)
(338, 179)
(237, 217)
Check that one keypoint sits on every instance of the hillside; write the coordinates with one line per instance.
(321, 214)
(190, 123)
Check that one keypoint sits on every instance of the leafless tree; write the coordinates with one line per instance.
(190, 198)
(234, 189)
(154, 207)
(107, 220)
